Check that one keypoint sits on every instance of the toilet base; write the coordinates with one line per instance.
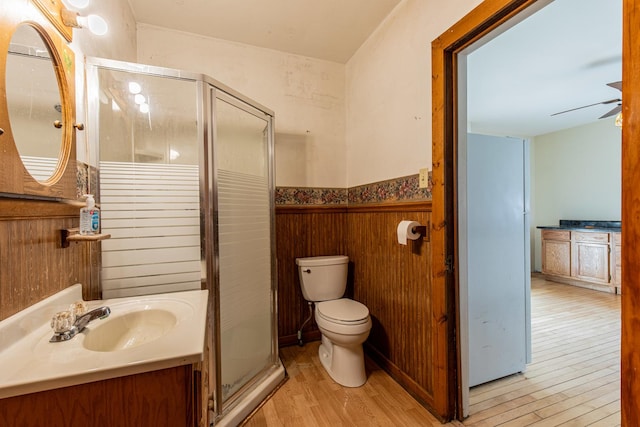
(344, 364)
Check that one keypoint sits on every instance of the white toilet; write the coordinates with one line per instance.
(343, 322)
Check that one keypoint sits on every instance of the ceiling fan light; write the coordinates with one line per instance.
(618, 120)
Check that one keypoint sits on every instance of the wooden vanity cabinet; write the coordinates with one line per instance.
(164, 398)
(556, 252)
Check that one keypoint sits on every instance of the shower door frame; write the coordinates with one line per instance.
(207, 90)
(213, 94)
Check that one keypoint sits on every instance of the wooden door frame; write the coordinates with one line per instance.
(485, 18)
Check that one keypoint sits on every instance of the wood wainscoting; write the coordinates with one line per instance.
(303, 231)
(34, 265)
(392, 280)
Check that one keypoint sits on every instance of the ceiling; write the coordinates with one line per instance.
(327, 29)
(559, 58)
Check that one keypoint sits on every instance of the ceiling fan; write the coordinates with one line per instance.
(616, 109)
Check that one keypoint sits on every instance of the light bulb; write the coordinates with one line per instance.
(618, 120)
(173, 154)
(140, 99)
(144, 108)
(134, 88)
(96, 24)
(77, 4)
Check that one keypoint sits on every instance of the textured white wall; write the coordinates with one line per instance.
(577, 175)
(306, 94)
(389, 91)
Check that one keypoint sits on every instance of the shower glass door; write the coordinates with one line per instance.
(244, 205)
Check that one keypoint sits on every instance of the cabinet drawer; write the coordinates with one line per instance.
(580, 236)
(556, 235)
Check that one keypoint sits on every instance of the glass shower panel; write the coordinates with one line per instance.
(149, 183)
(244, 244)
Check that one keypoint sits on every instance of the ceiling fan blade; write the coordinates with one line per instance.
(612, 112)
(611, 101)
(616, 85)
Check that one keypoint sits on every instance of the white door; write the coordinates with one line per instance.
(497, 257)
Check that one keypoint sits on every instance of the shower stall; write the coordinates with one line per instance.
(185, 183)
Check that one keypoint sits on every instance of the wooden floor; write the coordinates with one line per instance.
(574, 379)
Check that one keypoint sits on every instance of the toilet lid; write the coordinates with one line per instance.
(342, 310)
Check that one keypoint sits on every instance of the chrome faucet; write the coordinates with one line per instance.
(63, 331)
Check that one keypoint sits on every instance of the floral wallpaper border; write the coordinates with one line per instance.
(405, 189)
(86, 180)
(310, 196)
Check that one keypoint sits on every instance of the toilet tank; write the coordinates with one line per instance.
(323, 278)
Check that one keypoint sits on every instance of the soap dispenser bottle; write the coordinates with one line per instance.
(89, 217)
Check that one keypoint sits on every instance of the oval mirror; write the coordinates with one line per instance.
(34, 104)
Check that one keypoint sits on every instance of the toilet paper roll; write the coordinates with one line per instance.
(405, 231)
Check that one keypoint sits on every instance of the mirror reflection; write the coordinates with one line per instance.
(34, 104)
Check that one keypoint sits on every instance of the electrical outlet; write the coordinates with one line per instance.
(424, 178)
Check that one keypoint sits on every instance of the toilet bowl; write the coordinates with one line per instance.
(343, 323)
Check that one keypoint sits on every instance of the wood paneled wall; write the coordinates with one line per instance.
(392, 280)
(34, 265)
(303, 232)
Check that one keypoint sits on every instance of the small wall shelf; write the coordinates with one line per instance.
(73, 235)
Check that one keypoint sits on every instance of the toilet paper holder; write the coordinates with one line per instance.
(421, 230)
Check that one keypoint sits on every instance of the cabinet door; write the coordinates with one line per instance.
(556, 257)
(590, 262)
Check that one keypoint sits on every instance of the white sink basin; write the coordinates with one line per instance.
(142, 334)
(129, 330)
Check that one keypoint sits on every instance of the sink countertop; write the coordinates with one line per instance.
(30, 363)
(583, 225)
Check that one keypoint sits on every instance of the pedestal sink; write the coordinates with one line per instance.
(129, 330)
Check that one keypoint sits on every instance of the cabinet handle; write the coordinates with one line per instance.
(1, 131)
(79, 126)
(57, 124)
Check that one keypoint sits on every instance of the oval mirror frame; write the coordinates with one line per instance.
(37, 127)
(15, 179)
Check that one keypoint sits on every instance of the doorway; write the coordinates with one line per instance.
(499, 97)
(480, 22)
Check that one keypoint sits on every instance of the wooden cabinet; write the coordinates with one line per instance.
(590, 256)
(164, 398)
(556, 252)
(582, 257)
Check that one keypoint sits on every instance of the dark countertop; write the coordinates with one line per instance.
(581, 225)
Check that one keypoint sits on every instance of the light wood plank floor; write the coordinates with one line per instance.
(574, 379)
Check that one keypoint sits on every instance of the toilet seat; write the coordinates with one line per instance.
(343, 311)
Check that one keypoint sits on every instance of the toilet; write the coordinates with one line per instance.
(343, 322)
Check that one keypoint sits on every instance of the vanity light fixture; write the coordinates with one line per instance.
(96, 24)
